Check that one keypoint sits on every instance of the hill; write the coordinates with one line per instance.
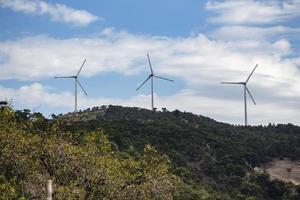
(114, 152)
(208, 155)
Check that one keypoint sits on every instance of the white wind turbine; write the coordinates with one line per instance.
(76, 81)
(152, 76)
(245, 91)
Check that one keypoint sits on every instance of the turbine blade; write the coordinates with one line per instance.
(81, 67)
(251, 74)
(81, 87)
(143, 82)
(64, 77)
(163, 78)
(232, 83)
(150, 63)
(35, 108)
(250, 95)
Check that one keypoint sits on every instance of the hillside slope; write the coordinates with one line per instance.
(205, 153)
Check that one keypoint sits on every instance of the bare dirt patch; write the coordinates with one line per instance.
(284, 170)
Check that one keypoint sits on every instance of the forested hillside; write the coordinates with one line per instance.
(206, 154)
(113, 152)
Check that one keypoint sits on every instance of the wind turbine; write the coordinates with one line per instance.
(76, 81)
(34, 109)
(152, 76)
(245, 91)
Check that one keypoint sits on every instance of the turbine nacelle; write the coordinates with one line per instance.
(246, 90)
(152, 76)
(75, 77)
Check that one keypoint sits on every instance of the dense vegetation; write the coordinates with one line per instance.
(34, 150)
(131, 153)
(213, 158)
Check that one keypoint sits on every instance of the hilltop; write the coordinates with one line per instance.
(208, 155)
(114, 152)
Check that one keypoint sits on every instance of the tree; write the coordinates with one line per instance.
(79, 169)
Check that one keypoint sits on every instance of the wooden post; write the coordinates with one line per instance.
(49, 189)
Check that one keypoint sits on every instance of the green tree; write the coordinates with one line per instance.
(32, 151)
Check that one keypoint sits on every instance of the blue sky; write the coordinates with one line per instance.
(163, 18)
(196, 43)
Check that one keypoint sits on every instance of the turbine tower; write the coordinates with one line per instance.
(245, 92)
(152, 76)
(76, 81)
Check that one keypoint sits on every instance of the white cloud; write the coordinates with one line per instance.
(253, 11)
(201, 62)
(35, 94)
(43, 57)
(29, 96)
(253, 33)
(57, 12)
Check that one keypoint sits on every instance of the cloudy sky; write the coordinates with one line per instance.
(196, 43)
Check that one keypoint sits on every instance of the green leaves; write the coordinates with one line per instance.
(7, 189)
(213, 159)
(80, 169)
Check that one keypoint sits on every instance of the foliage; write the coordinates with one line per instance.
(209, 156)
(82, 165)
(142, 155)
